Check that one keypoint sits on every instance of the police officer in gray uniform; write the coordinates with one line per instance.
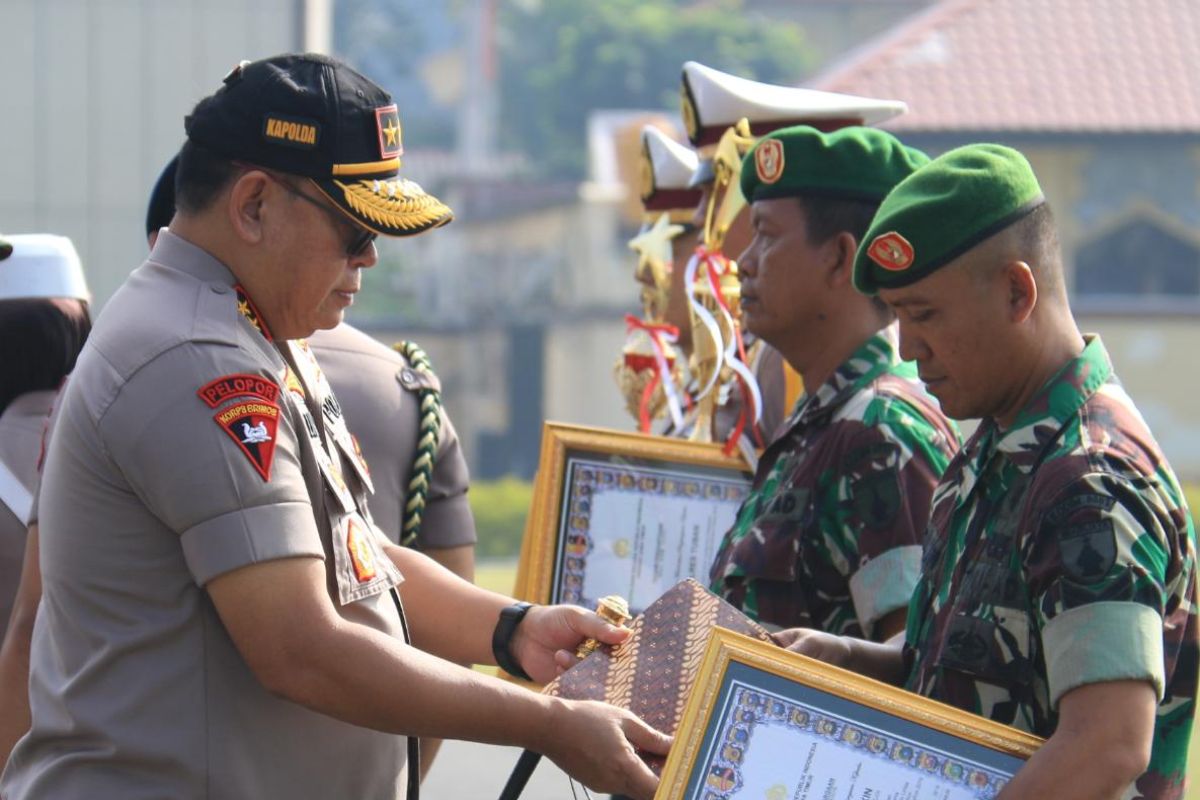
(392, 402)
(220, 615)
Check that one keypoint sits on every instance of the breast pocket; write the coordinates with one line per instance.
(770, 550)
(988, 635)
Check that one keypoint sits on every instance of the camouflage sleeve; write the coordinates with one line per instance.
(885, 485)
(1095, 557)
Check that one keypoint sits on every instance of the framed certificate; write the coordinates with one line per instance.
(765, 723)
(624, 513)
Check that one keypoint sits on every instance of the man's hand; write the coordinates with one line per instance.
(827, 647)
(881, 661)
(545, 641)
(597, 744)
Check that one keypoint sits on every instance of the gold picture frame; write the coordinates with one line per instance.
(744, 683)
(558, 533)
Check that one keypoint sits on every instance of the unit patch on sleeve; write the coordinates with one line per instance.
(252, 424)
(238, 385)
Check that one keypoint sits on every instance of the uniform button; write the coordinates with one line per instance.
(218, 289)
(407, 377)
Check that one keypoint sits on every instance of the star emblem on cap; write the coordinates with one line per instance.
(387, 121)
(392, 132)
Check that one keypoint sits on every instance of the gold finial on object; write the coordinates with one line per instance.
(612, 609)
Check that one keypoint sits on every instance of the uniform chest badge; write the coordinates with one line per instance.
(362, 557)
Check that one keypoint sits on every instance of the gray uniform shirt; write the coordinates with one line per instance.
(189, 445)
(21, 427)
(377, 388)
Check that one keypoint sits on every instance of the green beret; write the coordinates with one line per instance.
(852, 163)
(943, 210)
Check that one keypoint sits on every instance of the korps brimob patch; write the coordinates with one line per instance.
(252, 425)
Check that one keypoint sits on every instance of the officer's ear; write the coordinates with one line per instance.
(840, 251)
(1020, 288)
(247, 202)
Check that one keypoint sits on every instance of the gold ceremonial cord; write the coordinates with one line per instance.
(428, 434)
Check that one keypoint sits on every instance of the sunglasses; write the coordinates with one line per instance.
(362, 237)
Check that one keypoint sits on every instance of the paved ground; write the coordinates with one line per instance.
(469, 771)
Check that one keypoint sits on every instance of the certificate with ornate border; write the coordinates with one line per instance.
(624, 513)
(768, 724)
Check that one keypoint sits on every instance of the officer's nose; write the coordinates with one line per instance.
(368, 258)
(748, 261)
(912, 346)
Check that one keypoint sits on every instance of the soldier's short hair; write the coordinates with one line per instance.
(826, 217)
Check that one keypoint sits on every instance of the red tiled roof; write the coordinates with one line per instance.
(1036, 65)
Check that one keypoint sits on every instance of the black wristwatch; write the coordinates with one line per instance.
(506, 626)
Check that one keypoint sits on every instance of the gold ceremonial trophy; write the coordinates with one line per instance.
(638, 372)
(725, 202)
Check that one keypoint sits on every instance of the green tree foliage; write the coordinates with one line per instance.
(561, 59)
(500, 508)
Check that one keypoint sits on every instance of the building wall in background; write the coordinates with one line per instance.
(92, 99)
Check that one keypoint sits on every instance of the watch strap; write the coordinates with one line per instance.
(506, 626)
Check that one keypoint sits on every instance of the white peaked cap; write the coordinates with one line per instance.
(719, 100)
(42, 265)
(671, 163)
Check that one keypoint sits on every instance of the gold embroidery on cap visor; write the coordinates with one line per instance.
(891, 251)
(391, 206)
(768, 160)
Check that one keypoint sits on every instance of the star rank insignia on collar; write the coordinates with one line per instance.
(388, 121)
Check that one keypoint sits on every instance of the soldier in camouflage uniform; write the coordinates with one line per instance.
(830, 534)
(1058, 590)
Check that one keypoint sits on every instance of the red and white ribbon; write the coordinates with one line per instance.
(661, 335)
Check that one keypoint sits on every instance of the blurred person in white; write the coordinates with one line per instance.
(44, 322)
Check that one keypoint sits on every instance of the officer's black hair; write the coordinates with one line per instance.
(201, 177)
(39, 342)
(826, 217)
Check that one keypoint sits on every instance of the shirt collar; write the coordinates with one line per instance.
(876, 355)
(1055, 404)
(178, 253)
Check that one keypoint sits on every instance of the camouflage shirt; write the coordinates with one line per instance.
(1061, 553)
(830, 534)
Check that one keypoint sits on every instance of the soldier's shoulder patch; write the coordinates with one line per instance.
(238, 384)
(252, 424)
